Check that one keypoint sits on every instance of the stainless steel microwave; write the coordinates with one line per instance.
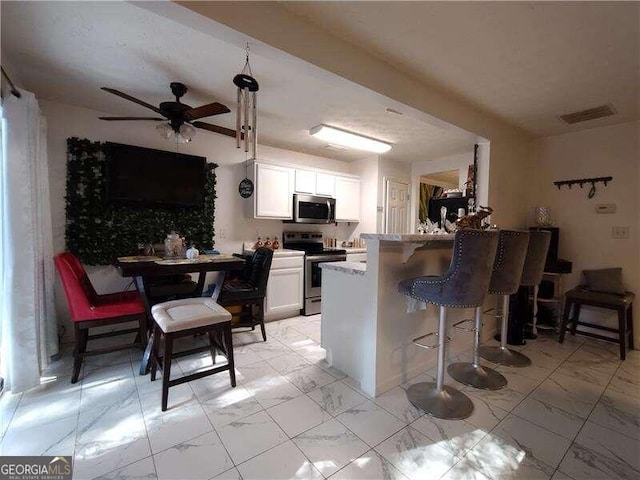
(313, 209)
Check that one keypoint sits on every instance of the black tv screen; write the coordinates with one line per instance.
(144, 176)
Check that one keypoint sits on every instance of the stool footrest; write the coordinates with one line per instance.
(459, 325)
(416, 341)
(492, 312)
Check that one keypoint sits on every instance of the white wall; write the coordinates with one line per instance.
(585, 236)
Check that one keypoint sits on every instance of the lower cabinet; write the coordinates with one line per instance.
(285, 286)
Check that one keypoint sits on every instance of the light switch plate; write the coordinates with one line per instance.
(606, 208)
(619, 232)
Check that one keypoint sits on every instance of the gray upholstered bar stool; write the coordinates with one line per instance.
(532, 269)
(464, 285)
(505, 280)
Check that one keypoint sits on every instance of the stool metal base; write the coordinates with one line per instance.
(477, 376)
(504, 356)
(447, 403)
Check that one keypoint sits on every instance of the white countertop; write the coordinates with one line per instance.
(407, 237)
(354, 249)
(281, 252)
(352, 268)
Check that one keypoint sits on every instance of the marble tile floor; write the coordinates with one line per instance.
(574, 414)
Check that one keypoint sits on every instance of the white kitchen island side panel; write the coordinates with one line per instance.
(366, 326)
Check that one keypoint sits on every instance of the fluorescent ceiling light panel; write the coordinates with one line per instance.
(349, 139)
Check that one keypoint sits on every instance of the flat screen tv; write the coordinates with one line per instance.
(144, 176)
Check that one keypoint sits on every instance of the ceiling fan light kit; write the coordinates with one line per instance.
(348, 139)
(179, 118)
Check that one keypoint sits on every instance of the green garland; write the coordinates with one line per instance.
(98, 232)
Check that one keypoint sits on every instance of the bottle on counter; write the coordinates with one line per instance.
(275, 244)
(258, 244)
(267, 243)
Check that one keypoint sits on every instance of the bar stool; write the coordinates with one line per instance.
(187, 317)
(532, 269)
(464, 285)
(505, 280)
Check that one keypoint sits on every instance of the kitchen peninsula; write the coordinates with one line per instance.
(367, 326)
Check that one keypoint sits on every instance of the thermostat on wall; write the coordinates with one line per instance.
(606, 208)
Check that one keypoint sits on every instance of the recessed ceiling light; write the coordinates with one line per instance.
(345, 138)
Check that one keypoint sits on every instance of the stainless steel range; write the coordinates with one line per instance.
(315, 254)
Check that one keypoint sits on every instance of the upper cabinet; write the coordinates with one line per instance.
(325, 184)
(305, 182)
(315, 183)
(347, 199)
(276, 184)
(273, 197)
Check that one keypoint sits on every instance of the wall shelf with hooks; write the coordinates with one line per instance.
(582, 182)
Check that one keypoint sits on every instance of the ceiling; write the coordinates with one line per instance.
(65, 51)
(525, 62)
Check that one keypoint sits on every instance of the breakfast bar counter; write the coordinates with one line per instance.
(367, 326)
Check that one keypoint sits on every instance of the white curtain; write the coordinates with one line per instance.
(28, 321)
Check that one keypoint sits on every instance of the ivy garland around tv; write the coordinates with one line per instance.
(98, 232)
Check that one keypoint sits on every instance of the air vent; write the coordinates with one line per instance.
(590, 114)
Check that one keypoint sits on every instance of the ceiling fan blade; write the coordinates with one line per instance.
(131, 99)
(216, 129)
(133, 118)
(208, 110)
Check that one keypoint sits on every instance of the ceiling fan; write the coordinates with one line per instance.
(179, 118)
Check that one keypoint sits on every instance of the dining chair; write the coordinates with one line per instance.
(249, 290)
(90, 310)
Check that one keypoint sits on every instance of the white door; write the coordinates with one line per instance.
(325, 184)
(305, 182)
(397, 207)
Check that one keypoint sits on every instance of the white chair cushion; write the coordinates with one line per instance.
(188, 313)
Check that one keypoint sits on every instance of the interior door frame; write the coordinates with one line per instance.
(386, 181)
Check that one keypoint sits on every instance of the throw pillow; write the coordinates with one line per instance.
(605, 280)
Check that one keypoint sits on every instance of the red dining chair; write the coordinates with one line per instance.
(89, 310)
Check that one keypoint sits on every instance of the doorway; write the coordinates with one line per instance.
(396, 207)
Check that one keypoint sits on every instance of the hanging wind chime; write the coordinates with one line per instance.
(247, 121)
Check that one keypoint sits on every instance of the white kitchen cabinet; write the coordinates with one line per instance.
(285, 286)
(315, 183)
(325, 184)
(347, 199)
(273, 191)
(305, 182)
(356, 257)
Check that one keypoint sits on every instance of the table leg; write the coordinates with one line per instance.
(141, 286)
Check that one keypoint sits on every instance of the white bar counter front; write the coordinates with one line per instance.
(367, 325)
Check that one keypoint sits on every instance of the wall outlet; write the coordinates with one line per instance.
(606, 208)
(619, 232)
(222, 233)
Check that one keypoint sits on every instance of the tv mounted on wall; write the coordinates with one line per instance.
(144, 176)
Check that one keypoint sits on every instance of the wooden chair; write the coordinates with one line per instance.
(90, 310)
(181, 318)
(249, 290)
(623, 304)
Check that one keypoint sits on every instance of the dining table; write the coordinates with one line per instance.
(141, 268)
